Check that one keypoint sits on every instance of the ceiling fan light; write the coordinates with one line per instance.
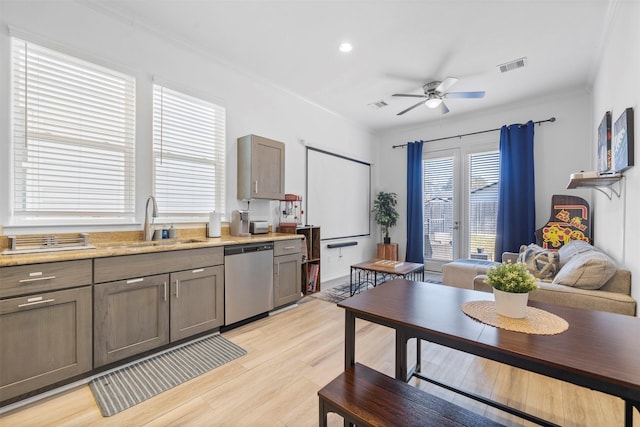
(345, 47)
(433, 102)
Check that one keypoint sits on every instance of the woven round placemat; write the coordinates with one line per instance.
(538, 322)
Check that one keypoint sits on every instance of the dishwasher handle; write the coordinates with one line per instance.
(248, 248)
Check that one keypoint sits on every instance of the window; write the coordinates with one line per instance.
(189, 154)
(73, 130)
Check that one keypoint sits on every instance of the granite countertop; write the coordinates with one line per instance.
(117, 248)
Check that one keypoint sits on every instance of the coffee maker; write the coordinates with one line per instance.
(240, 223)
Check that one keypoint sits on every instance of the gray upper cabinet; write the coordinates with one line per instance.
(260, 168)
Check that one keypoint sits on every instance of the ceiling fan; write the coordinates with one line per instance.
(435, 92)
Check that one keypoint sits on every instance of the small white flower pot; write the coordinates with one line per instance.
(511, 304)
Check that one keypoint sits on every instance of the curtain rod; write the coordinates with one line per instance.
(551, 120)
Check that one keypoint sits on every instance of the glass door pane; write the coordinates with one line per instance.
(483, 173)
(440, 212)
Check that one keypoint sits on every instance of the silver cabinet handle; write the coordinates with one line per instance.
(36, 279)
(289, 247)
(198, 270)
(165, 290)
(141, 279)
(36, 302)
(278, 269)
(256, 186)
(177, 288)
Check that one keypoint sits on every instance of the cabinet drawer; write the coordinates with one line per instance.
(286, 247)
(132, 266)
(31, 278)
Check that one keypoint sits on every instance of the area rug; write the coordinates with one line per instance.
(123, 388)
(342, 292)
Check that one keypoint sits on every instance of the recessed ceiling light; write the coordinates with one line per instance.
(345, 47)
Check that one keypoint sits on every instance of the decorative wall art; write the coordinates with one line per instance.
(622, 143)
(604, 144)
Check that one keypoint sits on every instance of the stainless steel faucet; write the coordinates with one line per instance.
(148, 229)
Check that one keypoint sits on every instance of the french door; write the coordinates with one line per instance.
(460, 196)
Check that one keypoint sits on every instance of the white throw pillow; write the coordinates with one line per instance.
(586, 270)
(572, 248)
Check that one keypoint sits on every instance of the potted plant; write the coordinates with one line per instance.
(511, 283)
(385, 213)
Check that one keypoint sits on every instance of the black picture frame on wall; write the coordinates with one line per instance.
(622, 141)
(604, 144)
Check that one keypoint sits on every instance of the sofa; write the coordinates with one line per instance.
(583, 277)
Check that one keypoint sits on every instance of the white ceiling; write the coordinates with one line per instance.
(398, 46)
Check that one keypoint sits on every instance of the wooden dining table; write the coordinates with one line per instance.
(599, 350)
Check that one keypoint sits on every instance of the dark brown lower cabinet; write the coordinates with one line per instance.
(44, 338)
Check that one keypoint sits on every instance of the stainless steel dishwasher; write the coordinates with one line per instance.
(248, 281)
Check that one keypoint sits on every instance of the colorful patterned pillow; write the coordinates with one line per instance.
(542, 263)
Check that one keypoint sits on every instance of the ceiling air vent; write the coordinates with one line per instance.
(513, 65)
(378, 104)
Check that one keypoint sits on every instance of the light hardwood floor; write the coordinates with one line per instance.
(291, 355)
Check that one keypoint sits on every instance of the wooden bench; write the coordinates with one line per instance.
(365, 397)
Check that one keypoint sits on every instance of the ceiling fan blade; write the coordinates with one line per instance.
(408, 95)
(450, 95)
(446, 84)
(410, 108)
(443, 108)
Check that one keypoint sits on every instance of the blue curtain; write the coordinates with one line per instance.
(516, 199)
(415, 233)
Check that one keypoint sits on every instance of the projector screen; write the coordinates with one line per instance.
(338, 194)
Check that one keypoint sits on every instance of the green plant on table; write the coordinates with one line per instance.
(511, 277)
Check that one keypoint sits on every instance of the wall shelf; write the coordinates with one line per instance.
(603, 183)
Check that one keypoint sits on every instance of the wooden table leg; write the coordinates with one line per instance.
(401, 355)
(349, 339)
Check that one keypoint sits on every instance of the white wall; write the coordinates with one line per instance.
(561, 147)
(252, 105)
(617, 86)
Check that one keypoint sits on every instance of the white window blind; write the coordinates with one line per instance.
(189, 154)
(484, 172)
(73, 136)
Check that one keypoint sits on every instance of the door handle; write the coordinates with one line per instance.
(165, 290)
(177, 288)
